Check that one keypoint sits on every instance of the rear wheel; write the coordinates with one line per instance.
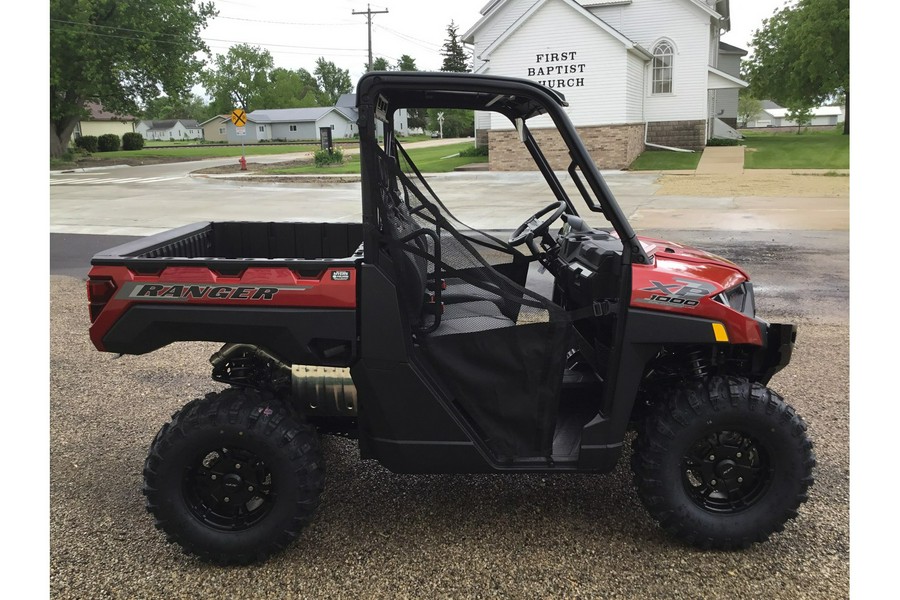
(233, 477)
(723, 463)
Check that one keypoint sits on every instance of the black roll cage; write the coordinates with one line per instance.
(380, 94)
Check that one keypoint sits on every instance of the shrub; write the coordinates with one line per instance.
(475, 151)
(722, 142)
(132, 141)
(88, 143)
(324, 157)
(109, 142)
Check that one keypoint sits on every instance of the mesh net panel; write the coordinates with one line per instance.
(498, 347)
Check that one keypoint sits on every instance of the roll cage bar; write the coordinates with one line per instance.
(380, 94)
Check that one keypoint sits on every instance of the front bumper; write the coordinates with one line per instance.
(775, 354)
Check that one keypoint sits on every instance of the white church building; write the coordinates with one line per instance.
(635, 73)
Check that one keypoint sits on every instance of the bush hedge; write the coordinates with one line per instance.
(132, 141)
(324, 157)
(109, 142)
(475, 151)
(88, 143)
(723, 142)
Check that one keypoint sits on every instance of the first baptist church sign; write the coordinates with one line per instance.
(558, 63)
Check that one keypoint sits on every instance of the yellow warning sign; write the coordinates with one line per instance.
(239, 117)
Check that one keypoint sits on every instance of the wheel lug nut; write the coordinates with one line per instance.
(712, 457)
(738, 454)
(227, 499)
(713, 482)
(740, 480)
(250, 488)
(213, 477)
(237, 466)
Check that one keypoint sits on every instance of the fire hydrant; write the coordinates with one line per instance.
(243, 162)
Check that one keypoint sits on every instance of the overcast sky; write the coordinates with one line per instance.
(296, 33)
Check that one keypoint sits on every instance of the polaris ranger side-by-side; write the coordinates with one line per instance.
(428, 341)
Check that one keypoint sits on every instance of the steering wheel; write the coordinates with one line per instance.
(534, 227)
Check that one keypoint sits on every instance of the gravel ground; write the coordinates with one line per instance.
(380, 535)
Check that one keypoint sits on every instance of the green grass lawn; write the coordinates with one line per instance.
(438, 159)
(665, 160)
(808, 150)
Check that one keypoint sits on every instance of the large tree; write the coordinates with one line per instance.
(191, 106)
(333, 81)
(406, 63)
(455, 57)
(801, 56)
(239, 78)
(291, 89)
(379, 64)
(121, 54)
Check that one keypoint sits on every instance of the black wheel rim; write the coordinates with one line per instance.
(726, 471)
(228, 488)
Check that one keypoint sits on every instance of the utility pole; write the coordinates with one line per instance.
(369, 12)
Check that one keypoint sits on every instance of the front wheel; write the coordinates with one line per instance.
(233, 477)
(723, 463)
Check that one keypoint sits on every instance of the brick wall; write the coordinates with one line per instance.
(690, 135)
(611, 147)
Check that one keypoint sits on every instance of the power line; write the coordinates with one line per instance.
(294, 23)
(369, 12)
(180, 38)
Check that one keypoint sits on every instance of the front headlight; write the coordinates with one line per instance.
(740, 298)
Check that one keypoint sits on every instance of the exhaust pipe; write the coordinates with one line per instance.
(315, 391)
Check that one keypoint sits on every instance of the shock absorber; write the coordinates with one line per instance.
(698, 362)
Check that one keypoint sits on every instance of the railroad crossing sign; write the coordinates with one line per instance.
(239, 117)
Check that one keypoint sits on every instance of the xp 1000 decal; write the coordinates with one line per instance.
(685, 293)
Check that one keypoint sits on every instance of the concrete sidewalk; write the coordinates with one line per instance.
(721, 160)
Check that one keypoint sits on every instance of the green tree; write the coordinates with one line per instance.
(800, 114)
(121, 54)
(191, 106)
(801, 56)
(455, 57)
(748, 108)
(240, 77)
(407, 63)
(290, 89)
(457, 122)
(379, 64)
(333, 81)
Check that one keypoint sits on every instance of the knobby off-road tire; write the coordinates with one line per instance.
(233, 477)
(722, 463)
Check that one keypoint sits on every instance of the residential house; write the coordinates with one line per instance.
(170, 130)
(215, 129)
(634, 72)
(773, 115)
(100, 122)
(293, 124)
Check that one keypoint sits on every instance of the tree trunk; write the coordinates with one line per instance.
(847, 111)
(60, 134)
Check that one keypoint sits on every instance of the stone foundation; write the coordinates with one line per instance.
(689, 135)
(611, 147)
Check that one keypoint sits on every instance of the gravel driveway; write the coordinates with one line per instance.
(380, 535)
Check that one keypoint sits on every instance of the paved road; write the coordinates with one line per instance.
(381, 535)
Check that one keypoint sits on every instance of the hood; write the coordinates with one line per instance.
(666, 251)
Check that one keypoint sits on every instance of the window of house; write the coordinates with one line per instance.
(262, 128)
(293, 128)
(221, 130)
(663, 54)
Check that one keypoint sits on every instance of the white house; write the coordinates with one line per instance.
(293, 124)
(171, 129)
(773, 115)
(635, 72)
